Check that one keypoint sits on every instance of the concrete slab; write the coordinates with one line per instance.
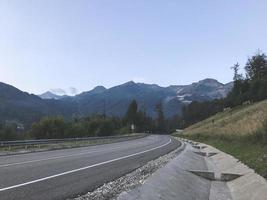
(219, 191)
(175, 181)
(249, 186)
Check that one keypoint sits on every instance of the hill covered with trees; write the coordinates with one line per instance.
(247, 89)
(112, 111)
(25, 108)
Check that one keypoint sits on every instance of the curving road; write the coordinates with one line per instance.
(67, 173)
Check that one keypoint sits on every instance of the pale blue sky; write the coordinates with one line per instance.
(47, 44)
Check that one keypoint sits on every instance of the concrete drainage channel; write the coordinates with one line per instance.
(195, 171)
(224, 177)
(205, 154)
(204, 173)
(229, 178)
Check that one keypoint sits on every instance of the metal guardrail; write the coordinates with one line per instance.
(54, 141)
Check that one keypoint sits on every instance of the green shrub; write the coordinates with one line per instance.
(8, 133)
(54, 127)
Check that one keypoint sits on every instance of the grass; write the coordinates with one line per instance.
(250, 153)
(241, 132)
(242, 120)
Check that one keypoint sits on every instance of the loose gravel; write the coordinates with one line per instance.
(130, 181)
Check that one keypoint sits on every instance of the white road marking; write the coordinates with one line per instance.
(53, 158)
(83, 168)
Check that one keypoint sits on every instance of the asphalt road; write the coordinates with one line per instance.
(67, 173)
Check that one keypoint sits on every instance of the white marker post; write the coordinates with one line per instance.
(132, 128)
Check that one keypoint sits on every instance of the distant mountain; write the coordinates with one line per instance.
(114, 101)
(203, 90)
(20, 106)
(50, 95)
(27, 108)
(96, 90)
(16, 105)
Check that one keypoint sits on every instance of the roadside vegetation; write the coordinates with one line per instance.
(237, 124)
(9, 132)
(241, 120)
(251, 152)
(241, 132)
(247, 89)
(96, 125)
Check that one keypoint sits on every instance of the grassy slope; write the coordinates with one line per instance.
(234, 132)
(242, 120)
(252, 154)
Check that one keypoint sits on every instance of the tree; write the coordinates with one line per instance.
(173, 123)
(8, 132)
(54, 127)
(160, 121)
(197, 111)
(131, 114)
(144, 122)
(256, 67)
(237, 76)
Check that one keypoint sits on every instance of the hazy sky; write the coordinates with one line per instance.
(48, 44)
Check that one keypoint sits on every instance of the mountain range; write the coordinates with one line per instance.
(27, 108)
(51, 95)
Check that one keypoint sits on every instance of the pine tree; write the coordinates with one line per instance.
(237, 76)
(131, 114)
(256, 67)
(160, 121)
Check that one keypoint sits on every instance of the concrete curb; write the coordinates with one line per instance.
(244, 183)
(201, 172)
(247, 185)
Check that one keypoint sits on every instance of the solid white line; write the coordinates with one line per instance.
(53, 158)
(83, 168)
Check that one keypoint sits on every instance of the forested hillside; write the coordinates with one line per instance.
(247, 89)
(25, 108)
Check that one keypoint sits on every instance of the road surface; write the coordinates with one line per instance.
(62, 174)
